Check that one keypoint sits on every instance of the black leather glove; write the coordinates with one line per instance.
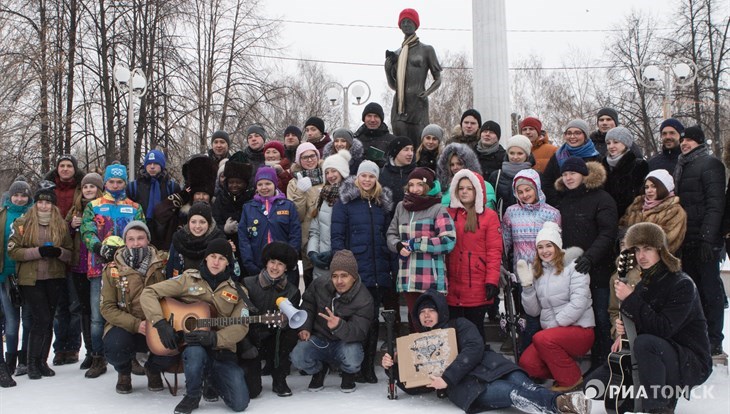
(206, 339)
(492, 291)
(49, 251)
(181, 197)
(583, 264)
(167, 334)
(707, 253)
(107, 252)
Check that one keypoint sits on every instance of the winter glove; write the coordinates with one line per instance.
(492, 291)
(167, 334)
(49, 251)
(524, 272)
(583, 264)
(207, 339)
(231, 226)
(326, 258)
(181, 197)
(303, 183)
(707, 253)
(107, 252)
(315, 259)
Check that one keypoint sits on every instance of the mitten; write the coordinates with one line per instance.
(231, 226)
(524, 272)
(303, 183)
(49, 251)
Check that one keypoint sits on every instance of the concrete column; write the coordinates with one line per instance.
(491, 77)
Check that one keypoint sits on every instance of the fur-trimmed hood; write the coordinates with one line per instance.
(594, 180)
(356, 150)
(477, 181)
(349, 192)
(466, 154)
(571, 253)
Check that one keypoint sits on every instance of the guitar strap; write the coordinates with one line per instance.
(244, 297)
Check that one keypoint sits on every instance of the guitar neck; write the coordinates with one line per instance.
(223, 322)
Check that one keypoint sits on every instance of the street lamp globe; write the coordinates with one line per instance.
(333, 94)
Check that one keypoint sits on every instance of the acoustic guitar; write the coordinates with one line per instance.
(624, 372)
(186, 317)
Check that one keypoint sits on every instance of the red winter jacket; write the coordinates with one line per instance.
(475, 260)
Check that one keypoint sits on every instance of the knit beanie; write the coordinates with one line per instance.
(222, 247)
(580, 124)
(518, 181)
(373, 108)
(610, 112)
(71, 158)
(531, 122)
(315, 122)
(622, 135)
(340, 162)
(434, 131)
(136, 224)
(155, 156)
(304, 147)
(46, 191)
(345, 261)
(277, 146)
(409, 14)
(520, 141)
(426, 303)
(423, 174)
(20, 187)
(281, 251)
(575, 164)
(396, 145)
(266, 173)
(222, 135)
(664, 177)
(368, 166)
(695, 134)
(342, 133)
(491, 126)
(550, 231)
(93, 178)
(474, 113)
(674, 123)
(202, 209)
(115, 171)
(292, 129)
(256, 129)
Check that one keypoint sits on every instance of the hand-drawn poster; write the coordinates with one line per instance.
(424, 354)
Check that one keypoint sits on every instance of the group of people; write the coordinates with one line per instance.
(375, 219)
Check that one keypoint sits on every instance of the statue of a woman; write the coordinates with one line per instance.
(407, 70)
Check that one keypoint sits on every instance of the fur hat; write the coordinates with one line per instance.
(622, 135)
(491, 126)
(664, 177)
(373, 108)
(136, 224)
(409, 14)
(343, 133)
(531, 121)
(266, 173)
(46, 191)
(433, 130)
(344, 260)
(474, 113)
(94, 179)
(200, 174)
(340, 162)
(201, 209)
(257, 129)
(20, 187)
(580, 124)
(575, 164)
(315, 122)
(368, 166)
(222, 135)
(155, 156)
(519, 141)
(674, 123)
(282, 252)
(424, 174)
(293, 129)
(277, 146)
(477, 181)
(550, 231)
(236, 169)
(115, 171)
(396, 145)
(304, 147)
(695, 134)
(608, 111)
(222, 247)
(650, 234)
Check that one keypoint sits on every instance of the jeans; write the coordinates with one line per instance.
(309, 356)
(12, 319)
(121, 347)
(516, 389)
(227, 377)
(602, 345)
(67, 322)
(706, 276)
(97, 321)
(42, 298)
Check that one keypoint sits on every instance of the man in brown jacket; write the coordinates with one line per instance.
(135, 266)
(210, 353)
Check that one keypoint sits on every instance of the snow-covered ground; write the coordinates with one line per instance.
(69, 392)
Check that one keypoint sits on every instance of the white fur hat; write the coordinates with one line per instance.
(551, 232)
(477, 181)
(664, 177)
(340, 162)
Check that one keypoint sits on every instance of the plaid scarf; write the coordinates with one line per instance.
(329, 193)
(314, 174)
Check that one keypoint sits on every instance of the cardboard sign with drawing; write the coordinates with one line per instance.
(424, 354)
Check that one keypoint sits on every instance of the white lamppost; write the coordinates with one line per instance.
(358, 90)
(134, 82)
(680, 72)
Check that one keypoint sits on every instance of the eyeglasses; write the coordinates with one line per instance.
(573, 134)
(308, 157)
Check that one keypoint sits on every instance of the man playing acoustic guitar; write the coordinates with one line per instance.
(210, 353)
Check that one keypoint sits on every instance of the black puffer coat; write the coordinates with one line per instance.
(378, 138)
(625, 180)
(590, 222)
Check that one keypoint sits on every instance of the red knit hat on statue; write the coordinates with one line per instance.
(409, 14)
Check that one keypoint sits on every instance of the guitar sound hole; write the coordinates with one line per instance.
(190, 324)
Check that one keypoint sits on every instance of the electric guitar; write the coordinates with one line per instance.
(624, 372)
(186, 317)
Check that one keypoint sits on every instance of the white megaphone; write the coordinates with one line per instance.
(296, 317)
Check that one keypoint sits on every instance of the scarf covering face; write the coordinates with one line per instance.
(193, 247)
(586, 150)
(314, 174)
(685, 159)
(137, 258)
(412, 202)
(401, 71)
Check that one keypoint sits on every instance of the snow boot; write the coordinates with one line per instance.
(187, 405)
(86, 363)
(124, 383)
(11, 359)
(137, 369)
(6, 381)
(348, 382)
(154, 381)
(317, 382)
(34, 369)
(46, 371)
(98, 367)
(22, 367)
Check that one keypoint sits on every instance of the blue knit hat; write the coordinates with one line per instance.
(674, 123)
(574, 164)
(155, 156)
(115, 171)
